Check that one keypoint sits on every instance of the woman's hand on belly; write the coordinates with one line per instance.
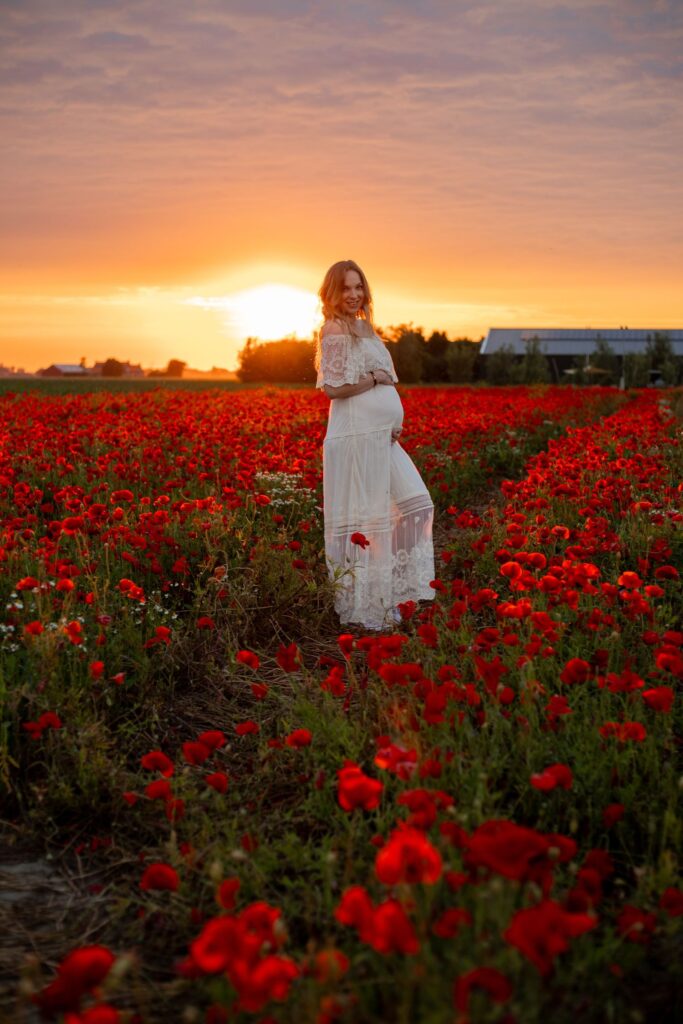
(384, 377)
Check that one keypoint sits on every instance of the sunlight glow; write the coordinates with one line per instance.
(268, 312)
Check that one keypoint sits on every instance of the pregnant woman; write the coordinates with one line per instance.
(378, 513)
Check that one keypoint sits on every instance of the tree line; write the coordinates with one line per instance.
(436, 359)
(656, 364)
(417, 359)
(116, 368)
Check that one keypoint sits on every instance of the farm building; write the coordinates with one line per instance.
(567, 348)
(128, 369)
(63, 370)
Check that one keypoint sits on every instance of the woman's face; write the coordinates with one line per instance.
(353, 293)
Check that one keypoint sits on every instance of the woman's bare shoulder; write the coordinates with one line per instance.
(333, 327)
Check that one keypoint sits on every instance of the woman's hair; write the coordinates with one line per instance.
(331, 294)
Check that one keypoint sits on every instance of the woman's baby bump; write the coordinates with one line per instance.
(380, 407)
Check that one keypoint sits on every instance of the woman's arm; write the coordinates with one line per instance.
(365, 383)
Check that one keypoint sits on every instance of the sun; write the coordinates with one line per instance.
(272, 311)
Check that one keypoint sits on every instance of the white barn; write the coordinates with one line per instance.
(63, 370)
(570, 341)
(563, 346)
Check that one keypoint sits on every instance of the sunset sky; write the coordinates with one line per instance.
(176, 176)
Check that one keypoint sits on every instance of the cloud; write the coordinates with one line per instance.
(513, 125)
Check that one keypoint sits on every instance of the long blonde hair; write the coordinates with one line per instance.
(331, 294)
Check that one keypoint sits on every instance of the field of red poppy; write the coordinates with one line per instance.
(263, 818)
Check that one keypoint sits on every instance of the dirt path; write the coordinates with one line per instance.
(45, 910)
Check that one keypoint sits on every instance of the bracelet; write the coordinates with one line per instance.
(374, 379)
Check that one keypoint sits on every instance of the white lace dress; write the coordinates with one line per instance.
(371, 487)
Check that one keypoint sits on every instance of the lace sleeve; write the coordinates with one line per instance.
(341, 361)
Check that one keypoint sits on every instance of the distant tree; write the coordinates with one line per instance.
(636, 369)
(461, 357)
(245, 360)
(112, 368)
(175, 368)
(663, 358)
(672, 372)
(659, 348)
(435, 358)
(286, 361)
(500, 365)
(603, 357)
(533, 368)
(579, 367)
(406, 345)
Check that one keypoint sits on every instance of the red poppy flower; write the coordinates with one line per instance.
(666, 572)
(660, 698)
(575, 671)
(506, 848)
(27, 583)
(488, 979)
(288, 658)
(48, 720)
(393, 758)
(174, 809)
(227, 893)
(79, 973)
(156, 760)
(624, 731)
(244, 728)
(217, 781)
(299, 738)
(101, 1013)
(552, 777)
(248, 658)
(630, 580)
(195, 752)
(636, 925)
(386, 927)
(160, 876)
(205, 622)
(162, 635)
(424, 805)
(612, 814)
(356, 789)
(671, 902)
(450, 922)
(540, 933)
(160, 789)
(345, 641)
(217, 945)
(74, 631)
(355, 908)
(34, 628)
(407, 609)
(408, 856)
(329, 965)
(213, 739)
(391, 931)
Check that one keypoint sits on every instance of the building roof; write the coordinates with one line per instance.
(570, 341)
(68, 367)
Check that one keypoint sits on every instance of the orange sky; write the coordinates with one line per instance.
(487, 164)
